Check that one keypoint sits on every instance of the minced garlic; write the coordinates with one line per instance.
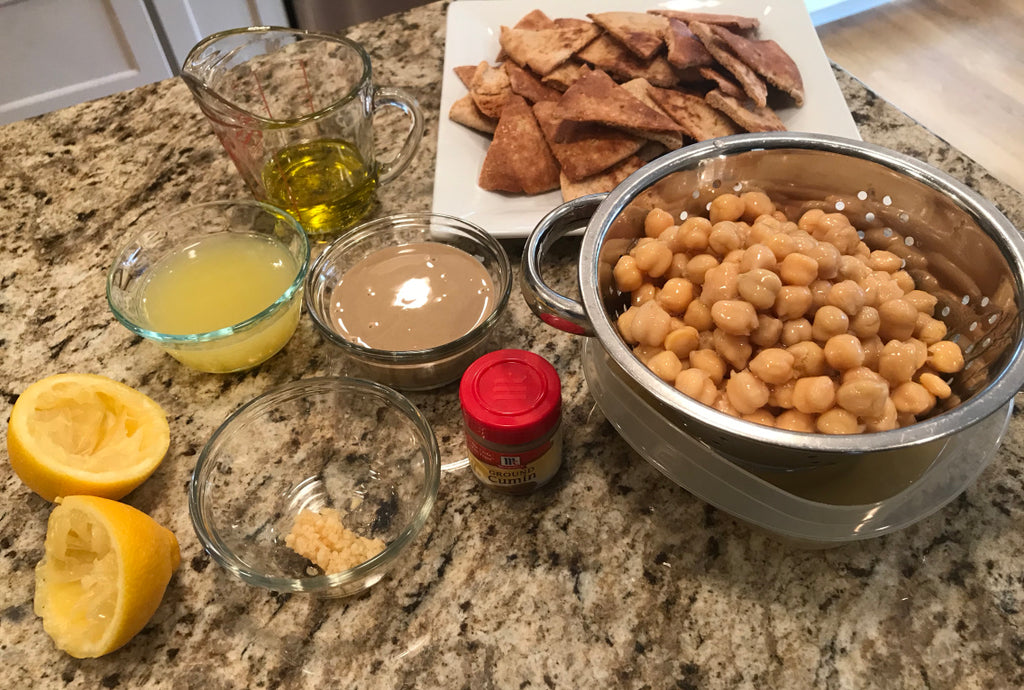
(322, 538)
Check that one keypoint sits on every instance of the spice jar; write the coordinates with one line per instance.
(512, 413)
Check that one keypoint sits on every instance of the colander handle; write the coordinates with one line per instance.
(554, 308)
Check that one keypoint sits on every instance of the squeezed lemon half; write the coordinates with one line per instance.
(103, 574)
(73, 434)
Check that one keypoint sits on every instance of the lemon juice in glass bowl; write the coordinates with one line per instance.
(217, 285)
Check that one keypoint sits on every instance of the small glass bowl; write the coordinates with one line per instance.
(350, 445)
(235, 347)
(409, 370)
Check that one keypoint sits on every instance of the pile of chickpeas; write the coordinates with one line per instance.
(796, 325)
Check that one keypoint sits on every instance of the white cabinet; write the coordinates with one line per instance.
(55, 53)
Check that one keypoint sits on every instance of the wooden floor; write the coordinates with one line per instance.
(955, 66)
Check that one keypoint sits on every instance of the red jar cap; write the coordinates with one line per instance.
(510, 397)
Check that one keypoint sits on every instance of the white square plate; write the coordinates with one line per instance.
(472, 36)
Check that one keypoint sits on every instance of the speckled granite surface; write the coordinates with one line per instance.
(610, 577)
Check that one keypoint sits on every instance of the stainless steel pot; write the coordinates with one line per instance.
(956, 245)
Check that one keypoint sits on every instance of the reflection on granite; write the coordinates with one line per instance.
(612, 576)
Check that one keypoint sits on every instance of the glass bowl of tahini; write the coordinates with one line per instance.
(410, 300)
(217, 285)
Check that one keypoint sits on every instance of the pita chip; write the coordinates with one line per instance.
(638, 89)
(722, 82)
(608, 54)
(595, 97)
(732, 21)
(490, 89)
(465, 74)
(465, 112)
(695, 116)
(747, 78)
(768, 59)
(518, 159)
(641, 33)
(756, 119)
(589, 149)
(545, 49)
(684, 49)
(602, 182)
(528, 85)
(532, 21)
(565, 75)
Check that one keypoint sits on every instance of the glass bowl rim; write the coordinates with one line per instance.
(186, 338)
(225, 557)
(421, 220)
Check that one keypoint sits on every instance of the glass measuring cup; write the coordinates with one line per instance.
(295, 111)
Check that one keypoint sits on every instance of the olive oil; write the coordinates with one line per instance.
(326, 184)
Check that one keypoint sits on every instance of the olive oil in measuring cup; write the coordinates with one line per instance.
(326, 184)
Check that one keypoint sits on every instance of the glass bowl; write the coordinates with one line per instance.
(347, 445)
(415, 369)
(202, 244)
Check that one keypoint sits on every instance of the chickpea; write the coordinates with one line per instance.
(881, 260)
(653, 258)
(693, 234)
(644, 293)
(904, 281)
(782, 395)
(675, 295)
(758, 256)
(682, 341)
(735, 256)
(808, 359)
(710, 363)
(627, 276)
(898, 317)
(865, 323)
(928, 330)
(852, 268)
(625, 325)
(810, 220)
(759, 286)
(796, 331)
(843, 237)
(864, 397)
(656, 221)
(724, 237)
(720, 282)
(827, 258)
(735, 317)
(795, 420)
(697, 384)
(838, 421)
(763, 417)
(814, 394)
(763, 228)
(734, 349)
(726, 207)
(651, 324)
(698, 315)
(698, 267)
(829, 321)
(872, 347)
(920, 352)
(798, 269)
(792, 302)
(946, 357)
(912, 398)
(723, 404)
(645, 352)
(746, 392)
(756, 204)
(848, 296)
(781, 244)
(773, 365)
(670, 237)
(923, 301)
(768, 331)
(819, 294)
(935, 385)
(888, 420)
(677, 269)
(665, 365)
(844, 352)
(803, 244)
(898, 362)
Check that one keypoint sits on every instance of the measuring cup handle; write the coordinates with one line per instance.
(397, 98)
(554, 308)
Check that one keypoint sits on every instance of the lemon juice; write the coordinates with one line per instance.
(326, 184)
(217, 282)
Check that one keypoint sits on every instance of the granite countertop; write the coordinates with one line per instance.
(612, 576)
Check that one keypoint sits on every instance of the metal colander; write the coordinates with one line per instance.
(955, 244)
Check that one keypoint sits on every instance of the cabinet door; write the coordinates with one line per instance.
(57, 53)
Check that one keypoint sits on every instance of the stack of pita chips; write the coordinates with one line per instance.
(579, 105)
